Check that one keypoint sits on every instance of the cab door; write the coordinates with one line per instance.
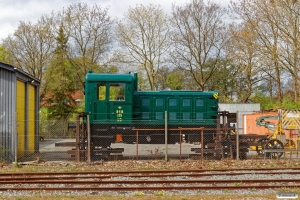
(120, 102)
(100, 107)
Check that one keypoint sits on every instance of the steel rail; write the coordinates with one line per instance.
(216, 181)
(99, 181)
(69, 177)
(148, 188)
(145, 171)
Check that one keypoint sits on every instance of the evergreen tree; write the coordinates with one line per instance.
(61, 84)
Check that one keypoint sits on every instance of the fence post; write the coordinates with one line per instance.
(180, 139)
(237, 137)
(202, 145)
(137, 144)
(166, 136)
(88, 139)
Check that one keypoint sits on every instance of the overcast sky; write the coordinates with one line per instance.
(14, 11)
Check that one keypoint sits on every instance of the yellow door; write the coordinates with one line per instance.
(31, 119)
(21, 118)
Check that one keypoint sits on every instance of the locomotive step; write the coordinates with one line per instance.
(65, 144)
(115, 150)
(198, 150)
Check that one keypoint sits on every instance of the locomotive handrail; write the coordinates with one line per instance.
(161, 129)
(149, 129)
(192, 129)
(219, 129)
(181, 128)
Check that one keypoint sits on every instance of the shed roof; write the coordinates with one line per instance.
(20, 74)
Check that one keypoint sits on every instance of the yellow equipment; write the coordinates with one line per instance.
(287, 120)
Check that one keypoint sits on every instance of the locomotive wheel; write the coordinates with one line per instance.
(274, 144)
(218, 151)
(243, 155)
(262, 144)
(224, 149)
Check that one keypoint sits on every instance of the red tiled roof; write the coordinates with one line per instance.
(77, 95)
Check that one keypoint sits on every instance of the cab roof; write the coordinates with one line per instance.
(91, 77)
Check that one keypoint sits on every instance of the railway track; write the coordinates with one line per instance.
(226, 179)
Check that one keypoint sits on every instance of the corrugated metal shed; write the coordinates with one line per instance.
(16, 127)
(7, 112)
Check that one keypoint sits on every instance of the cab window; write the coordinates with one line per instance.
(101, 91)
(117, 91)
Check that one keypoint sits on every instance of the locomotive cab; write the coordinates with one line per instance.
(109, 97)
(108, 100)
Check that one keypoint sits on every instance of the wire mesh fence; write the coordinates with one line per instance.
(51, 133)
(84, 141)
(7, 139)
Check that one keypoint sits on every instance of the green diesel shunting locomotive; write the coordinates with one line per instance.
(116, 106)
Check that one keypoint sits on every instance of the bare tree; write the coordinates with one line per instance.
(89, 30)
(30, 47)
(243, 52)
(289, 26)
(143, 35)
(199, 35)
(276, 23)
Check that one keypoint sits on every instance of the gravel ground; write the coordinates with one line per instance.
(145, 193)
(152, 165)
